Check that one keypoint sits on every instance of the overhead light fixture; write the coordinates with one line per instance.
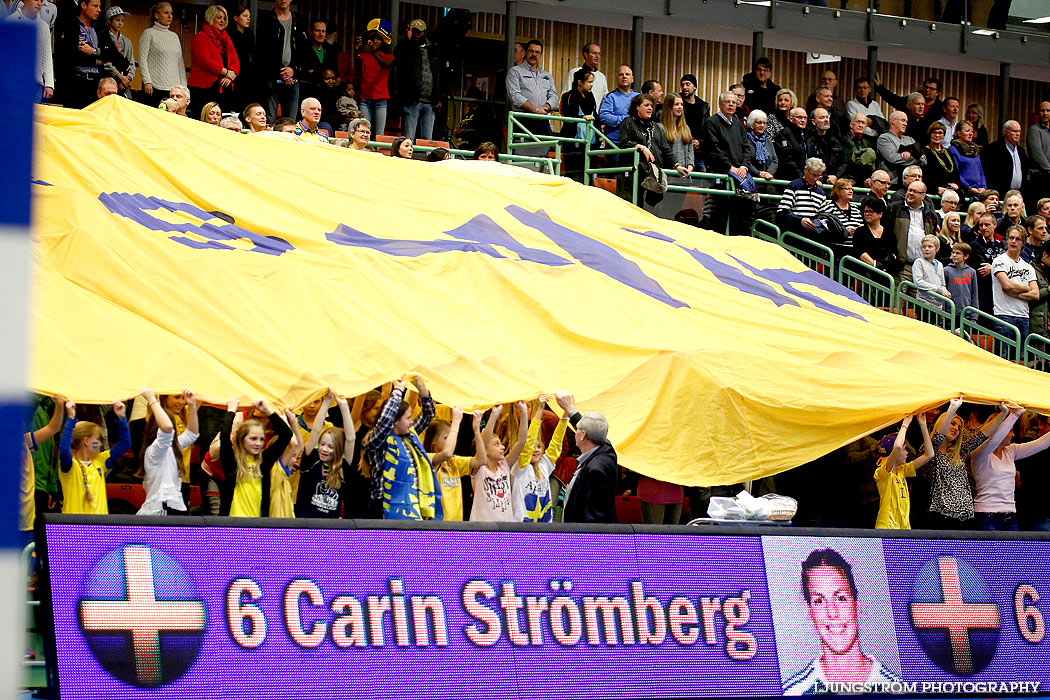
(984, 32)
(1038, 20)
(760, 3)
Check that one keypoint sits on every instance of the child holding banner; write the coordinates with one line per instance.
(161, 455)
(892, 474)
(492, 490)
(440, 440)
(323, 486)
(530, 482)
(284, 472)
(245, 464)
(84, 466)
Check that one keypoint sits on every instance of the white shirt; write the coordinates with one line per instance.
(855, 106)
(600, 89)
(812, 681)
(915, 233)
(949, 128)
(1015, 179)
(492, 494)
(163, 482)
(160, 58)
(531, 491)
(1018, 271)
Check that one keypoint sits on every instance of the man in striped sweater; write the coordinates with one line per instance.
(801, 200)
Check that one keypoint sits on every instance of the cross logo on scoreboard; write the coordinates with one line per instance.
(954, 617)
(141, 617)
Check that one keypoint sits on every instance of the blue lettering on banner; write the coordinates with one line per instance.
(735, 277)
(137, 207)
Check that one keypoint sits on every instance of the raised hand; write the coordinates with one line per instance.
(71, 409)
(148, 394)
(399, 384)
(262, 407)
(232, 405)
(191, 399)
(119, 408)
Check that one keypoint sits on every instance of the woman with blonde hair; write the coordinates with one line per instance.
(211, 113)
(785, 101)
(676, 131)
(323, 481)
(84, 465)
(161, 65)
(246, 465)
(214, 63)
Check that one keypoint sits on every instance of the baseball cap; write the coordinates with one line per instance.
(418, 24)
(886, 443)
(381, 27)
(114, 11)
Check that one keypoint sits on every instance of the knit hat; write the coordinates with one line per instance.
(691, 78)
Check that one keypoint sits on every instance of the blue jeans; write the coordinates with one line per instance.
(1041, 525)
(421, 113)
(996, 522)
(287, 96)
(375, 112)
(1022, 323)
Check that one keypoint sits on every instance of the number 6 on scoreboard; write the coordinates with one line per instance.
(239, 612)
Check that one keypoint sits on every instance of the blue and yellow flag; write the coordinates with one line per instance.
(172, 253)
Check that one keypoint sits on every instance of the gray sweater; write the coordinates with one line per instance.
(1039, 148)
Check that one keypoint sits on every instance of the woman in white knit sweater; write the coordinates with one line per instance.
(160, 56)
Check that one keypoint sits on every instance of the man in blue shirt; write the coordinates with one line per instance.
(614, 107)
(532, 89)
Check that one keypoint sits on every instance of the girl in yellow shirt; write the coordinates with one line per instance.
(246, 465)
(891, 478)
(84, 466)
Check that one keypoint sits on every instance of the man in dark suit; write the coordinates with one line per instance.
(1005, 162)
(727, 150)
(590, 496)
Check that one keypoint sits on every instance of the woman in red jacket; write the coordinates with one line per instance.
(214, 64)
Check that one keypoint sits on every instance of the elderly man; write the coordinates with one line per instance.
(858, 149)
(1039, 154)
(106, 86)
(862, 103)
(306, 129)
(880, 185)
(835, 104)
(532, 89)
(590, 496)
(910, 221)
(615, 105)
(802, 198)
(727, 150)
(893, 147)
(791, 146)
(592, 55)
(181, 95)
(1005, 161)
(908, 176)
(822, 143)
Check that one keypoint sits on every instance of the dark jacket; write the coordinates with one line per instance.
(792, 152)
(68, 57)
(758, 97)
(593, 495)
(408, 72)
(897, 219)
(311, 69)
(860, 157)
(829, 150)
(696, 115)
(725, 146)
(939, 172)
(999, 166)
(1039, 311)
(269, 45)
(916, 129)
(635, 131)
(572, 104)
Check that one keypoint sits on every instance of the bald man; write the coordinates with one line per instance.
(307, 129)
(1005, 162)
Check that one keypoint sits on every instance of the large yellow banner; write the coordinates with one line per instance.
(171, 253)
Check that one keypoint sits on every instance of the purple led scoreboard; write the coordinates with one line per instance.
(221, 608)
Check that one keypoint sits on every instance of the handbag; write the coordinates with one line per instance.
(653, 178)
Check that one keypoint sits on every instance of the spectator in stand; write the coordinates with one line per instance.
(802, 200)
(439, 154)
(615, 106)
(862, 103)
(676, 131)
(760, 90)
(247, 466)
(531, 89)
(838, 121)
(969, 226)
(420, 82)
(214, 64)
(951, 498)
(44, 74)
(727, 150)
(696, 113)
(479, 125)
(909, 175)
(1015, 285)
(1038, 142)
(891, 475)
(578, 102)
(115, 23)
(499, 90)
(493, 493)
(828, 80)
(949, 234)
(912, 221)
(764, 163)
(880, 185)
(169, 105)
(655, 90)
(975, 115)
(894, 153)
(81, 51)
(839, 204)
(487, 151)
(347, 105)
(592, 54)
(949, 204)
(1013, 215)
(927, 273)
(360, 134)
(181, 95)
(343, 60)
(781, 116)
(1042, 208)
(283, 125)
(950, 120)
(967, 156)
(923, 107)
(84, 465)
(990, 198)
(639, 130)
(1039, 310)
(315, 57)
(245, 90)
(995, 473)
(403, 478)
(985, 249)
(858, 149)
(160, 56)
(278, 38)
(1036, 226)
(961, 280)
(940, 171)
(211, 113)
(329, 94)
(1005, 161)
(530, 482)
(161, 455)
(401, 147)
(822, 143)
(741, 111)
(106, 86)
(375, 65)
(590, 496)
(307, 129)
(231, 123)
(870, 242)
(255, 117)
(327, 457)
(791, 145)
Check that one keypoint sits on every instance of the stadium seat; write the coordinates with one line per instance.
(628, 510)
(606, 183)
(432, 143)
(342, 134)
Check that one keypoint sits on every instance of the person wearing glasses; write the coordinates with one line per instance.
(790, 143)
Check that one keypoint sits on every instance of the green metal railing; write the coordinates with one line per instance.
(770, 236)
(548, 164)
(871, 284)
(1037, 352)
(938, 311)
(991, 334)
(816, 256)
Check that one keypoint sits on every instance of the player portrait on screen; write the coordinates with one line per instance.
(830, 594)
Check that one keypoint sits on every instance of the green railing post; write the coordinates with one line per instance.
(1037, 352)
(816, 256)
(940, 312)
(990, 333)
(871, 284)
(772, 237)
